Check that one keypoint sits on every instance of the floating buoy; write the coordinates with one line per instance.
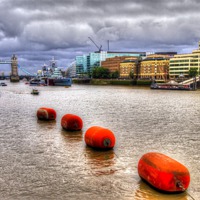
(163, 172)
(71, 122)
(44, 113)
(99, 137)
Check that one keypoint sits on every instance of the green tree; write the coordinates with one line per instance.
(115, 74)
(193, 72)
(100, 72)
(131, 74)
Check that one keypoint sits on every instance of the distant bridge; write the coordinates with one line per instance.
(5, 61)
(14, 77)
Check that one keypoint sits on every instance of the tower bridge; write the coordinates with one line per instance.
(14, 76)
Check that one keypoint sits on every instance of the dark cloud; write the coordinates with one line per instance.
(38, 30)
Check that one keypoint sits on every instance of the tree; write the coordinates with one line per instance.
(131, 74)
(100, 72)
(193, 72)
(115, 74)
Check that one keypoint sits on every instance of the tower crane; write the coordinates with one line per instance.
(99, 48)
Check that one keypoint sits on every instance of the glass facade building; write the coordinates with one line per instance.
(81, 64)
(85, 63)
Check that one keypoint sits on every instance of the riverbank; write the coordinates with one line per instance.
(112, 82)
(128, 82)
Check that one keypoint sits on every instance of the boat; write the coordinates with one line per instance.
(37, 82)
(171, 85)
(54, 76)
(35, 91)
(56, 79)
(3, 84)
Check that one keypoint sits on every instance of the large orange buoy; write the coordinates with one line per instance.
(44, 113)
(71, 122)
(163, 172)
(99, 137)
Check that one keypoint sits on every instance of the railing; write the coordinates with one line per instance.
(190, 81)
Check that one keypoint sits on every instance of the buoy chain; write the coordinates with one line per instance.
(106, 142)
(180, 185)
(103, 138)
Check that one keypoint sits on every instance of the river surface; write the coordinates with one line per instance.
(39, 160)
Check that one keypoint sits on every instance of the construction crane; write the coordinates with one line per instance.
(99, 48)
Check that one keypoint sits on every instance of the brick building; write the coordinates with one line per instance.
(128, 66)
(154, 67)
(113, 64)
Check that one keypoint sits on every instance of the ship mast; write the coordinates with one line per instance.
(53, 63)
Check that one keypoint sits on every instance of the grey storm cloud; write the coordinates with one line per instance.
(37, 30)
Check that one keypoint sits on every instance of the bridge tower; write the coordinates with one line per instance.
(14, 77)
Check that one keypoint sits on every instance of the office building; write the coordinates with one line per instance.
(180, 64)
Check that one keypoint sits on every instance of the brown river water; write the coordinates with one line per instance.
(39, 160)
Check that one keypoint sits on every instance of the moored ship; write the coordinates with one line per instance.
(172, 85)
(54, 77)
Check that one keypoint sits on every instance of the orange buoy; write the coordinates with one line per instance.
(44, 113)
(99, 137)
(71, 122)
(163, 172)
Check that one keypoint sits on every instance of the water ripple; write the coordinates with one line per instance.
(40, 160)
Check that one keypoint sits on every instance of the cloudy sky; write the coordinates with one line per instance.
(37, 30)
